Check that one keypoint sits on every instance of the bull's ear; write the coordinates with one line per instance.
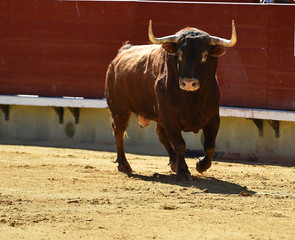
(218, 51)
(170, 47)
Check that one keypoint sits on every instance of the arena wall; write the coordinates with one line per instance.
(238, 138)
(62, 48)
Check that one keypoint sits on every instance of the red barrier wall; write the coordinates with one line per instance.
(63, 48)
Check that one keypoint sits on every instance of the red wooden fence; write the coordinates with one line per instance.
(63, 48)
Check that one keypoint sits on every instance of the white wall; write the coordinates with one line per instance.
(238, 138)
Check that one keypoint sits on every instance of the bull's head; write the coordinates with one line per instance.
(195, 52)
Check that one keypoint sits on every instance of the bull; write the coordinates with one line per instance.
(172, 82)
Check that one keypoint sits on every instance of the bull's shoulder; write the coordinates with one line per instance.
(128, 49)
(138, 57)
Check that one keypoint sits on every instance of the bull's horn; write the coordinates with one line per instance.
(224, 42)
(154, 40)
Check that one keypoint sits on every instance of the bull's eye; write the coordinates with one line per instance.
(204, 56)
(179, 54)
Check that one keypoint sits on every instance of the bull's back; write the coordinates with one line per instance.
(131, 78)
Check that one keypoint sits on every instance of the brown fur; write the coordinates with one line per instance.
(145, 80)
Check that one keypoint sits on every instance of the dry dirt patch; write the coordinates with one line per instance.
(51, 193)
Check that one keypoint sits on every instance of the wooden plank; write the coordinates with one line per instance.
(49, 102)
(244, 97)
(281, 98)
(225, 111)
(281, 79)
(254, 113)
(57, 48)
(281, 62)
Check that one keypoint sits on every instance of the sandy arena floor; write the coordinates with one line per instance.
(51, 193)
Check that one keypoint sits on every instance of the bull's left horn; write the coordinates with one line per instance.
(224, 42)
(154, 40)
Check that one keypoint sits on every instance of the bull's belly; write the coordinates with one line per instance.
(192, 124)
(145, 122)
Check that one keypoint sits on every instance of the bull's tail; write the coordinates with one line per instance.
(109, 80)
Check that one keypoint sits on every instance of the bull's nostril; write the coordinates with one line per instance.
(189, 84)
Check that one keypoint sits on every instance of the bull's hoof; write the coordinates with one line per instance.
(174, 167)
(203, 165)
(184, 177)
(124, 167)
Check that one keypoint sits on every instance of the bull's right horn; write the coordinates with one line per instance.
(154, 40)
(224, 42)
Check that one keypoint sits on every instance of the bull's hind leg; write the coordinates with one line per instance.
(166, 143)
(120, 124)
(210, 133)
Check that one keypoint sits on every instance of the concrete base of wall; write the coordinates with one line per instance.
(238, 138)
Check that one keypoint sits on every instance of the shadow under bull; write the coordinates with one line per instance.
(205, 184)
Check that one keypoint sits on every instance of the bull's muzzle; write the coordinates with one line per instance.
(189, 84)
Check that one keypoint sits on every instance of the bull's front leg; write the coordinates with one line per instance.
(210, 133)
(173, 162)
(178, 144)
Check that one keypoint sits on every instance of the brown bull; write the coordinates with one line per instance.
(173, 83)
